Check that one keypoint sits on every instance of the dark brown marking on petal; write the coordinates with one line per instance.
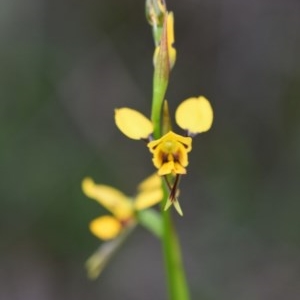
(184, 145)
(164, 157)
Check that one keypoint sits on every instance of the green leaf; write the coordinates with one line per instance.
(151, 220)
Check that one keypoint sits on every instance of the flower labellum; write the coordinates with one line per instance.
(170, 153)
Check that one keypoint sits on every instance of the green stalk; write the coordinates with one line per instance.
(176, 281)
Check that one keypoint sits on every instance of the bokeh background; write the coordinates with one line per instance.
(65, 66)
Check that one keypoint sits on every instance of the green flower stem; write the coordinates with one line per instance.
(177, 286)
(176, 282)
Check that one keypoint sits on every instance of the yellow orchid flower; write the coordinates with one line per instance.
(170, 152)
(194, 115)
(122, 207)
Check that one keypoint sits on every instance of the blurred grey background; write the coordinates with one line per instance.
(65, 66)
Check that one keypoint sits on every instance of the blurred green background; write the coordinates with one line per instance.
(65, 66)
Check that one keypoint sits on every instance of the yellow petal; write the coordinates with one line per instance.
(179, 169)
(171, 49)
(150, 192)
(148, 198)
(170, 28)
(133, 124)
(105, 227)
(172, 57)
(150, 183)
(166, 168)
(109, 197)
(157, 159)
(195, 115)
